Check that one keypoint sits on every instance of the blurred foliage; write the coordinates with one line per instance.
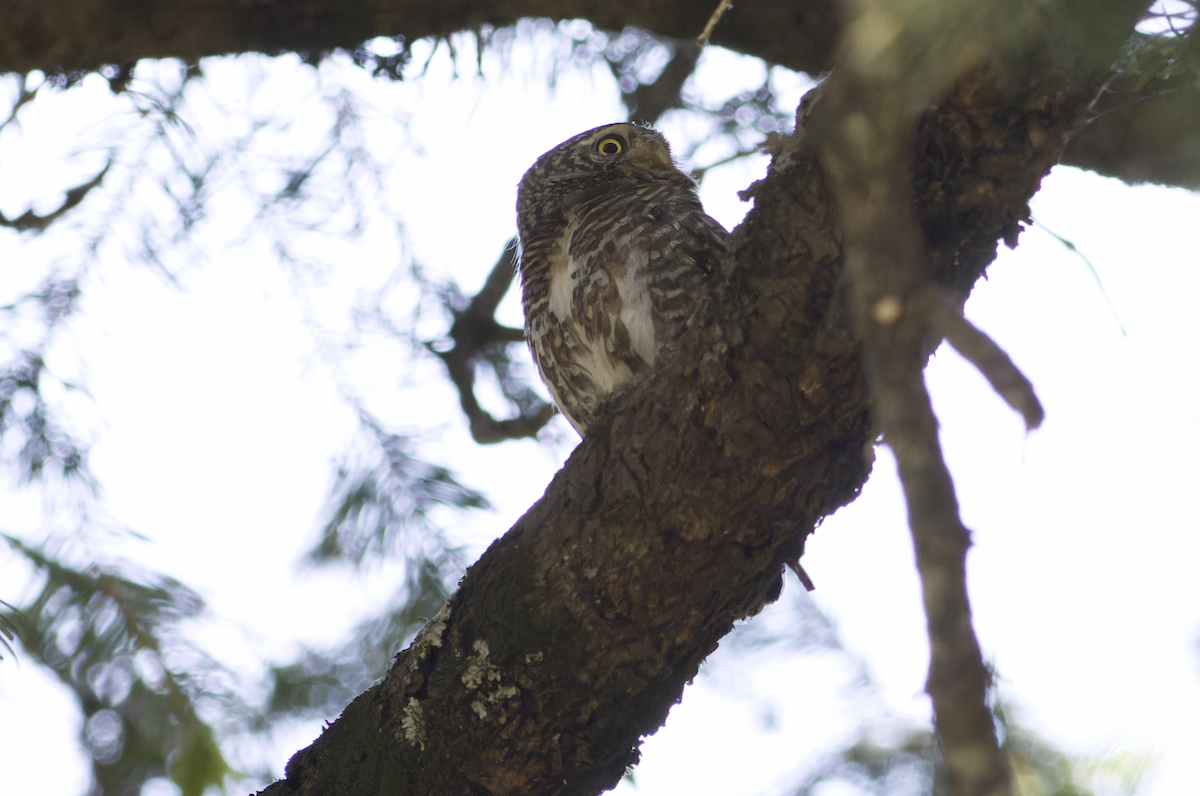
(111, 639)
(904, 766)
(320, 684)
(1146, 58)
(381, 502)
(887, 756)
(8, 627)
(907, 762)
(33, 443)
(152, 703)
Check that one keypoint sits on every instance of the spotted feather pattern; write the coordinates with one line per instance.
(615, 248)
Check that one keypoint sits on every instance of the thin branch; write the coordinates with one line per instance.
(30, 220)
(717, 13)
(991, 360)
(866, 130)
(699, 172)
(24, 97)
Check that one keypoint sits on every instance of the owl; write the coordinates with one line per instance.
(615, 248)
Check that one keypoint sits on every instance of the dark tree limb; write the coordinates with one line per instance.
(73, 34)
(576, 632)
(1150, 141)
(476, 334)
(649, 101)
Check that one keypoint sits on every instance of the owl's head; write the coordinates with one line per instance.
(627, 149)
(593, 161)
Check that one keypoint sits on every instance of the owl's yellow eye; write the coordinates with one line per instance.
(610, 146)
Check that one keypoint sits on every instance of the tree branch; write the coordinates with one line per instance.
(476, 334)
(576, 632)
(648, 102)
(71, 34)
(890, 67)
(865, 124)
(1148, 135)
(982, 352)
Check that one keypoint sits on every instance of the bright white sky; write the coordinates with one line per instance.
(215, 424)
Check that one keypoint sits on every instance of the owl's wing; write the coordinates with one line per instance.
(707, 242)
(688, 257)
(559, 349)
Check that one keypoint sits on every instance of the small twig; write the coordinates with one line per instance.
(1092, 117)
(647, 103)
(24, 97)
(996, 366)
(30, 220)
(724, 5)
(805, 580)
(9, 629)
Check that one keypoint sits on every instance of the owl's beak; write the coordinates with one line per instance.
(648, 154)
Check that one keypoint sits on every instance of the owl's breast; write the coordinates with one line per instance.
(601, 296)
(610, 288)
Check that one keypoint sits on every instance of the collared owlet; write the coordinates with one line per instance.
(615, 247)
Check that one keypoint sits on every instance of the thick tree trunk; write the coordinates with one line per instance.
(576, 632)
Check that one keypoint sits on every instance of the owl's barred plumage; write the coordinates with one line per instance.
(615, 247)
